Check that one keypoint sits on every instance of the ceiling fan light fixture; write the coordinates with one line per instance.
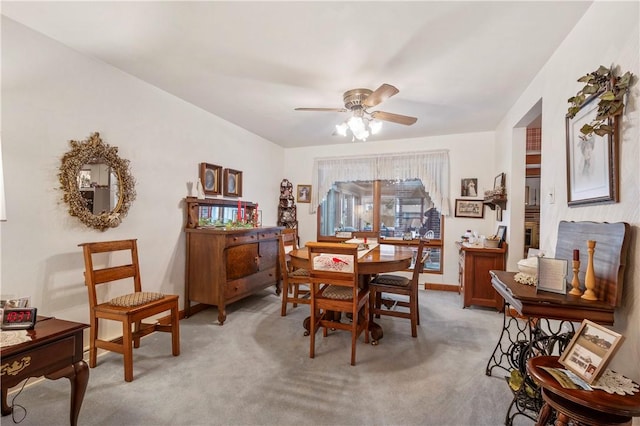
(363, 123)
(356, 124)
(375, 126)
(361, 127)
(341, 129)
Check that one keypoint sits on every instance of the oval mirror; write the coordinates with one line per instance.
(96, 182)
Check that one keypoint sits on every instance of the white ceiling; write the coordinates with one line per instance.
(459, 66)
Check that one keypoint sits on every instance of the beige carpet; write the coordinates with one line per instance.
(256, 370)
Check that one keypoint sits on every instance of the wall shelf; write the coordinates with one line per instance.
(492, 202)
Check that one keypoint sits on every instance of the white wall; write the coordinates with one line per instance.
(470, 156)
(52, 94)
(607, 34)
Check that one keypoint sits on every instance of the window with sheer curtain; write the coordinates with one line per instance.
(388, 196)
(430, 167)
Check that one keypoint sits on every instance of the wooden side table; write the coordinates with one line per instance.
(595, 407)
(54, 351)
(474, 264)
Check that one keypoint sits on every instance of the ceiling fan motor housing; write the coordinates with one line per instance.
(353, 98)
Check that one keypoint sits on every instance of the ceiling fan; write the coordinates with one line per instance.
(363, 123)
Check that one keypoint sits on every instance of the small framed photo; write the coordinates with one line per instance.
(211, 178)
(469, 187)
(501, 233)
(552, 275)
(469, 208)
(498, 182)
(232, 183)
(590, 350)
(304, 193)
(592, 162)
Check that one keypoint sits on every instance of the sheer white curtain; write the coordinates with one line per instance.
(431, 167)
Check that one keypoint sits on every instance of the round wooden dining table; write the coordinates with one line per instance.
(384, 258)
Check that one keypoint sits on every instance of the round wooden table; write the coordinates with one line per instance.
(595, 407)
(382, 259)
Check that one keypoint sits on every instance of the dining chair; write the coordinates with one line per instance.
(333, 270)
(292, 278)
(129, 309)
(406, 288)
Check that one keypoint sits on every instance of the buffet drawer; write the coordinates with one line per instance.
(234, 240)
(241, 287)
(269, 234)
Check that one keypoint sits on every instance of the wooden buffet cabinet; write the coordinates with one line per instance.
(474, 265)
(226, 265)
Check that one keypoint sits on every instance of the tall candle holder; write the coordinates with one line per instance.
(590, 276)
(575, 283)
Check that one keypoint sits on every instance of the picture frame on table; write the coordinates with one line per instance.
(211, 177)
(552, 275)
(469, 208)
(590, 350)
(501, 233)
(304, 193)
(232, 183)
(592, 162)
(499, 182)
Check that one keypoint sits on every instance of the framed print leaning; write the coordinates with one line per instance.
(592, 161)
(590, 350)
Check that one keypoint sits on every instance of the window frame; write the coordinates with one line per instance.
(377, 197)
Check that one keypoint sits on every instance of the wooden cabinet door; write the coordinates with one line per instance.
(241, 261)
(268, 254)
(482, 292)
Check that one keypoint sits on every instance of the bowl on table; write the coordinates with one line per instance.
(529, 265)
(491, 243)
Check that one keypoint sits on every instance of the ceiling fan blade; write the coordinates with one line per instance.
(382, 93)
(394, 118)
(322, 109)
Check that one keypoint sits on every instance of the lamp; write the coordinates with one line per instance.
(361, 124)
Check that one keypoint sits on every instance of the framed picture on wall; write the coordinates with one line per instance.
(469, 208)
(469, 187)
(232, 183)
(211, 178)
(592, 162)
(304, 193)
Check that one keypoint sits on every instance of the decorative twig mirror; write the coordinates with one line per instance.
(97, 183)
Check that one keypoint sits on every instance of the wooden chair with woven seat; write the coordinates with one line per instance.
(405, 287)
(130, 309)
(292, 278)
(333, 268)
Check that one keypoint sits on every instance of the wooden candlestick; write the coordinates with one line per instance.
(575, 283)
(590, 275)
